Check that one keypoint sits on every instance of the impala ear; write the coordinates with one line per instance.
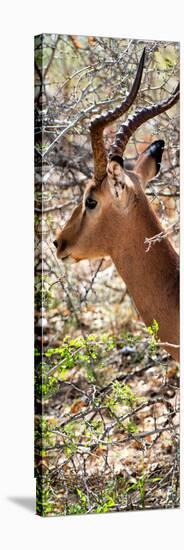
(148, 163)
(120, 181)
(116, 176)
(118, 159)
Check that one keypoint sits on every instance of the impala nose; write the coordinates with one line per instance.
(55, 243)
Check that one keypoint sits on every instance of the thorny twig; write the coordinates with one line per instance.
(160, 236)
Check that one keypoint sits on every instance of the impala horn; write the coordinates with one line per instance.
(135, 121)
(101, 121)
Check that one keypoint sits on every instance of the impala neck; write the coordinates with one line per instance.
(151, 277)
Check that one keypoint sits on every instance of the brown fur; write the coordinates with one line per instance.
(118, 227)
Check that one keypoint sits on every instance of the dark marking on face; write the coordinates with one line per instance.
(63, 245)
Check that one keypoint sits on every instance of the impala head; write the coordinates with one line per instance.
(114, 190)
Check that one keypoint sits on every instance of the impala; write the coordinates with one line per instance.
(115, 217)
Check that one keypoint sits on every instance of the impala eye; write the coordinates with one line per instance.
(90, 203)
